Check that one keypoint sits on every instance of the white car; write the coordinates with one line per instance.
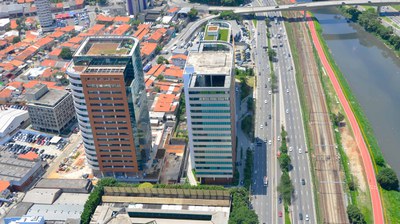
(279, 138)
(269, 142)
(307, 218)
(261, 126)
(265, 101)
(287, 111)
(287, 90)
(270, 92)
(300, 150)
(290, 148)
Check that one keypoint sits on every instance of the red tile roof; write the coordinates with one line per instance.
(169, 86)
(57, 34)
(103, 18)
(29, 156)
(96, 28)
(75, 40)
(165, 103)
(79, 2)
(7, 66)
(5, 93)
(59, 5)
(4, 185)
(173, 10)
(48, 73)
(122, 29)
(55, 52)
(44, 41)
(156, 70)
(27, 53)
(67, 29)
(143, 30)
(16, 63)
(174, 71)
(148, 48)
(13, 24)
(49, 63)
(158, 34)
(51, 85)
(179, 56)
(15, 84)
(122, 19)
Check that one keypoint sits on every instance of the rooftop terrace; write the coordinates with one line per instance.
(107, 46)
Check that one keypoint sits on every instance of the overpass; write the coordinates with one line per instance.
(304, 6)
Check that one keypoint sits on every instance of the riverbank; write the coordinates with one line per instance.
(391, 206)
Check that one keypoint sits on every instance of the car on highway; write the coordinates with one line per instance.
(261, 126)
(265, 101)
(301, 216)
(279, 138)
(300, 150)
(269, 142)
(280, 213)
(290, 148)
(270, 92)
(266, 124)
(303, 182)
(287, 111)
(287, 90)
(307, 218)
(269, 116)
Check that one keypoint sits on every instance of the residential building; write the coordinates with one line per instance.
(44, 13)
(210, 106)
(50, 110)
(179, 60)
(134, 7)
(107, 83)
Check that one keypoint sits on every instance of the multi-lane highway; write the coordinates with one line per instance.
(285, 110)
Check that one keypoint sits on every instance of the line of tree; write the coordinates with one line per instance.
(370, 21)
(285, 187)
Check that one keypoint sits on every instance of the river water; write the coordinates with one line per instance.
(373, 72)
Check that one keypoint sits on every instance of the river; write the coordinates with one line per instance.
(373, 72)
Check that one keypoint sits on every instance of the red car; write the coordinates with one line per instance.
(280, 214)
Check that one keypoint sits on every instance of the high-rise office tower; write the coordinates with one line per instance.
(135, 6)
(210, 107)
(44, 13)
(107, 84)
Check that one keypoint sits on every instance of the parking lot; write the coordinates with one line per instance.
(41, 144)
(73, 19)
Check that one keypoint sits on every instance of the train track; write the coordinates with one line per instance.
(324, 156)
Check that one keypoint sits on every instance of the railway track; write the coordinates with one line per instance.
(326, 162)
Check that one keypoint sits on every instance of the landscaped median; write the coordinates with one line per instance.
(365, 134)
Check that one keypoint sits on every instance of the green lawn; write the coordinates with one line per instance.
(208, 37)
(396, 7)
(223, 34)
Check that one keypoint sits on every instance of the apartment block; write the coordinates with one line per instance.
(44, 13)
(108, 88)
(210, 107)
(50, 110)
(134, 7)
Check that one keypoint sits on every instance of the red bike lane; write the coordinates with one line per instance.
(367, 162)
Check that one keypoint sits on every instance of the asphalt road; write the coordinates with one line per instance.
(285, 111)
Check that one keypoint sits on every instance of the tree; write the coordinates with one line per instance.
(274, 81)
(229, 15)
(286, 188)
(380, 161)
(271, 54)
(250, 104)
(338, 118)
(158, 49)
(103, 2)
(193, 13)
(66, 53)
(241, 213)
(387, 179)
(161, 60)
(16, 40)
(160, 77)
(156, 89)
(355, 215)
(284, 162)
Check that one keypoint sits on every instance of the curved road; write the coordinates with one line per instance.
(368, 167)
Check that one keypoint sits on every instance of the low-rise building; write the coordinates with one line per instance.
(11, 119)
(179, 60)
(50, 110)
(18, 172)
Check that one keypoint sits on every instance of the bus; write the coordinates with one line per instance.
(265, 181)
(147, 67)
